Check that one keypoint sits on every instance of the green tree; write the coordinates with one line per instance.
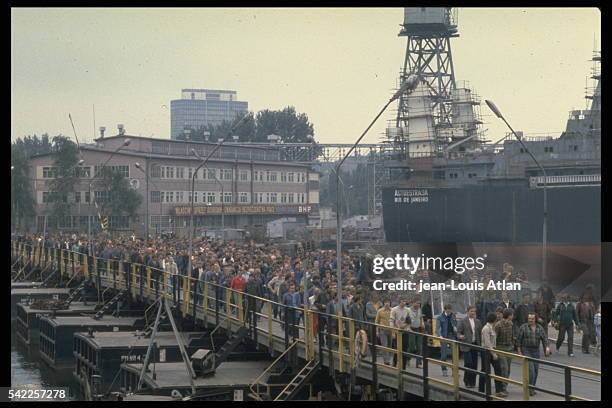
(287, 123)
(66, 156)
(22, 198)
(292, 127)
(118, 196)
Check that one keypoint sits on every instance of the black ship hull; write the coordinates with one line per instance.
(504, 221)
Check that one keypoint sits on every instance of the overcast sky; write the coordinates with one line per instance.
(339, 66)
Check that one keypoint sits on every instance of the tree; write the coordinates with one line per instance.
(66, 157)
(287, 123)
(22, 199)
(118, 196)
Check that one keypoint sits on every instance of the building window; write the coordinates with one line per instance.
(169, 196)
(119, 222)
(575, 148)
(155, 196)
(87, 196)
(180, 172)
(83, 172)
(156, 171)
(211, 197)
(100, 196)
(290, 177)
(77, 196)
(260, 197)
(189, 172)
(283, 177)
(64, 222)
(290, 196)
(179, 196)
(244, 197)
(49, 172)
(225, 174)
(45, 197)
(160, 221)
(283, 197)
(244, 175)
(227, 197)
(195, 196)
(273, 197)
(124, 170)
(169, 172)
(212, 174)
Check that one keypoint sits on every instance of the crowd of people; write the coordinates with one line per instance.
(493, 321)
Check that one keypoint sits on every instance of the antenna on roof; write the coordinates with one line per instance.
(75, 136)
(94, 120)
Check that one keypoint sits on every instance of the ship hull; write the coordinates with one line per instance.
(504, 221)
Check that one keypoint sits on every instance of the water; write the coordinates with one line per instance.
(29, 371)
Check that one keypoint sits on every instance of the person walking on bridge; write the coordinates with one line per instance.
(530, 336)
(446, 326)
(565, 317)
(505, 341)
(586, 313)
(469, 331)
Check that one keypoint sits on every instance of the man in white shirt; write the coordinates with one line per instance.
(397, 318)
(469, 331)
(489, 341)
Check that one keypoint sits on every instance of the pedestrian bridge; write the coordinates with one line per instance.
(221, 307)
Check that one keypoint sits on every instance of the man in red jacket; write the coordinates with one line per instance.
(237, 284)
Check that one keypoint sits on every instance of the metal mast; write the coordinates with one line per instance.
(428, 53)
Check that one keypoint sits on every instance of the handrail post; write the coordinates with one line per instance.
(240, 302)
(85, 266)
(455, 351)
(205, 301)
(568, 383)
(186, 295)
(487, 375)
(148, 282)
(340, 343)
(287, 327)
(269, 313)
(400, 365)
(424, 348)
(217, 291)
(61, 264)
(352, 343)
(372, 338)
(525, 379)
(135, 279)
(228, 307)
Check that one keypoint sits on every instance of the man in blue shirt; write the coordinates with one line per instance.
(291, 299)
(446, 326)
